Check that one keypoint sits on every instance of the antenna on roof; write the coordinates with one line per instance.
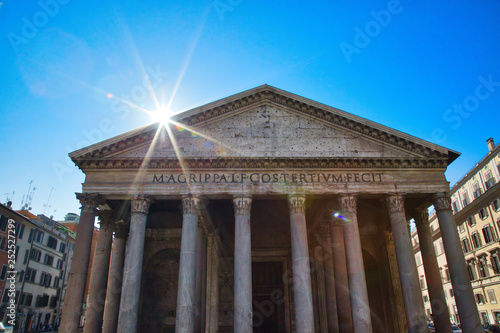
(26, 204)
(47, 206)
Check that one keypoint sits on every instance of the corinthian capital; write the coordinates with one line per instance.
(395, 203)
(297, 203)
(190, 204)
(106, 218)
(140, 204)
(89, 201)
(348, 203)
(421, 215)
(242, 205)
(442, 201)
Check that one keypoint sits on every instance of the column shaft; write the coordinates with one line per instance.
(439, 307)
(184, 321)
(99, 280)
(75, 288)
(199, 280)
(341, 277)
(242, 266)
(412, 295)
(329, 274)
(113, 295)
(464, 296)
(304, 316)
(132, 271)
(360, 307)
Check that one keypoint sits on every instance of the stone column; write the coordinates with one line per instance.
(184, 321)
(360, 307)
(113, 295)
(75, 288)
(132, 271)
(412, 295)
(464, 296)
(329, 277)
(212, 304)
(340, 273)
(99, 279)
(304, 316)
(439, 307)
(200, 272)
(242, 265)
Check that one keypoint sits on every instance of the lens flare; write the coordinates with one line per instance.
(161, 115)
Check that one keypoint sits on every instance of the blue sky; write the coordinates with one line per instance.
(429, 69)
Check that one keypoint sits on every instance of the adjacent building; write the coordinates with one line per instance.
(475, 201)
(44, 252)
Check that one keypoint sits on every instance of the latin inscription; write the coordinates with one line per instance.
(265, 178)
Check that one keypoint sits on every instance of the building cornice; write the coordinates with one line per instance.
(260, 163)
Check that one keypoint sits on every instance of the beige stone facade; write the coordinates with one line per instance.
(260, 212)
(476, 206)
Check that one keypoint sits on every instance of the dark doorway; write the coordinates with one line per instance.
(268, 297)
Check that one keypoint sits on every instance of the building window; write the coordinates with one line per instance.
(45, 279)
(471, 270)
(35, 255)
(471, 221)
(39, 237)
(496, 205)
(496, 315)
(3, 223)
(52, 243)
(21, 276)
(495, 261)
(3, 273)
(476, 240)
(49, 260)
(477, 190)
(461, 227)
(492, 296)
(452, 294)
(466, 245)
(489, 180)
(2, 243)
(484, 318)
(488, 234)
(422, 283)
(446, 274)
(53, 302)
(479, 298)
(483, 214)
(426, 298)
(21, 230)
(56, 282)
(30, 275)
(465, 198)
(5, 295)
(28, 300)
(59, 264)
(455, 207)
(62, 247)
(482, 267)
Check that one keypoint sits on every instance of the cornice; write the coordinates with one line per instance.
(261, 163)
(267, 94)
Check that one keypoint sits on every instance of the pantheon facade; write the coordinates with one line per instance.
(263, 212)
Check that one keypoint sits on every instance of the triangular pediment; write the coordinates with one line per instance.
(268, 123)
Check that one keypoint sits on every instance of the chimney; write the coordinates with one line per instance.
(491, 144)
(9, 204)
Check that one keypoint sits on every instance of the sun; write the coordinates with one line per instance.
(161, 115)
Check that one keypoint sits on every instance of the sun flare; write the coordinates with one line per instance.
(161, 115)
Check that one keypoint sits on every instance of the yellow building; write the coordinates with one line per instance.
(476, 207)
